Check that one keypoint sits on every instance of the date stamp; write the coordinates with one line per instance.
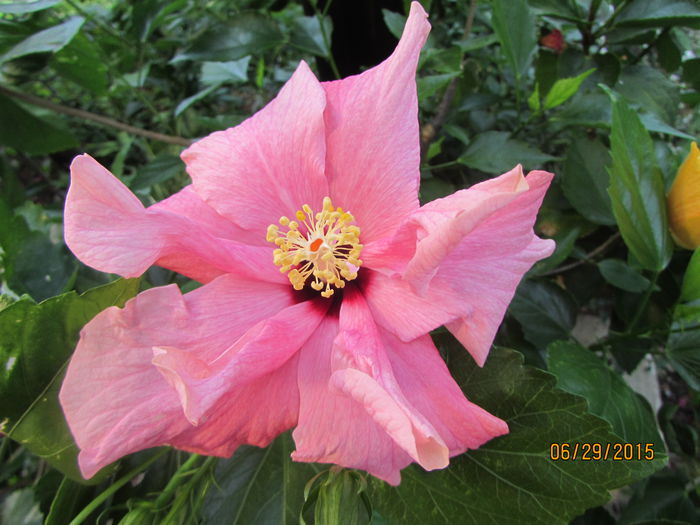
(601, 451)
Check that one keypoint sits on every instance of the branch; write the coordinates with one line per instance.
(100, 119)
(586, 258)
(431, 129)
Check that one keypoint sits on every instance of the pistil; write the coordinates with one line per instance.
(321, 248)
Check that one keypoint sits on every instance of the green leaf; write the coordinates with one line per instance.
(47, 41)
(495, 152)
(621, 275)
(656, 13)
(564, 88)
(36, 341)
(669, 51)
(261, 486)
(651, 90)
(653, 123)
(690, 290)
(586, 180)
(534, 100)
(431, 84)
(219, 73)
(394, 21)
(245, 34)
(435, 188)
(474, 43)
(67, 502)
(81, 63)
(164, 167)
(580, 372)
(683, 345)
(511, 479)
(306, 35)
(148, 15)
(339, 498)
(23, 8)
(34, 258)
(31, 134)
(563, 9)
(565, 241)
(691, 72)
(591, 110)
(20, 508)
(514, 24)
(545, 311)
(661, 499)
(637, 190)
(187, 102)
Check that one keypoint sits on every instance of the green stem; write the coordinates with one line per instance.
(643, 304)
(611, 21)
(175, 481)
(449, 164)
(326, 40)
(92, 506)
(95, 21)
(201, 471)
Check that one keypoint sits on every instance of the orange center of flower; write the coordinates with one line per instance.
(323, 246)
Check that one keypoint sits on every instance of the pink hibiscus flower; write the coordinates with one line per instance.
(297, 324)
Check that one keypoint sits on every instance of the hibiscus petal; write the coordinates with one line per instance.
(353, 411)
(471, 251)
(372, 136)
(260, 351)
(115, 400)
(187, 203)
(424, 378)
(108, 228)
(251, 394)
(269, 165)
(253, 413)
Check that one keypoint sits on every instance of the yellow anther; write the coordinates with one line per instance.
(322, 249)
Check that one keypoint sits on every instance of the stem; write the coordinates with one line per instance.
(587, 29)
(430, 130)
(95, 21)
(100, 119)
(92, 506)
(610, 21)
(649, 46)
(175, 480)
(435, 167)
(643, 304)
(324, 34)
(201, 471)
(586, 258)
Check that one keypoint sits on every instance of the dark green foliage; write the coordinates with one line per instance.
(603, 93)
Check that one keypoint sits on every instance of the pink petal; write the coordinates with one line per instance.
(260, 351)
(115, 400)
(271, 164)
(372, 136)
(251, 393)
(471, 251)
(423, 377)
(251, 413)
(353, 411)
(108, 228)
(187, 203)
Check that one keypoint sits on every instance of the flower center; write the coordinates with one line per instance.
(327, 248)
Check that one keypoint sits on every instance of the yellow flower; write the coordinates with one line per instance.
(684, 201)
